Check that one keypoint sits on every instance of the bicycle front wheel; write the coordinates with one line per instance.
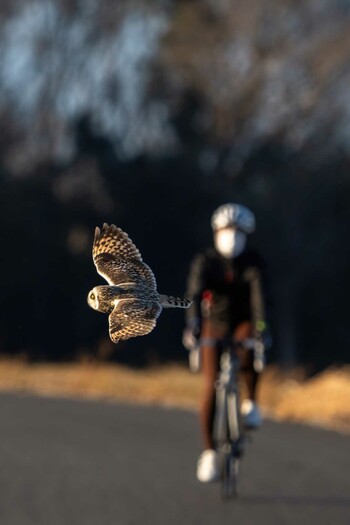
(233, 452)
(230, 474)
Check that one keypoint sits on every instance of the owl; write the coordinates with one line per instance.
(130, 299)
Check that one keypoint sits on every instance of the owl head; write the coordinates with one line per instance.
(99, 298)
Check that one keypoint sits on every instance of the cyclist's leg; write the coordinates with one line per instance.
(210, 367)
(249, 407)
(244, 330)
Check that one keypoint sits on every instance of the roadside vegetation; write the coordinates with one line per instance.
(320, 400)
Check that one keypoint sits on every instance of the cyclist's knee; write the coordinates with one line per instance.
(243, 330)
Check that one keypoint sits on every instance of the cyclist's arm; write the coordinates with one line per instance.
(254, 274)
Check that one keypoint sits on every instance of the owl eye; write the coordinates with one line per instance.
(92, 296)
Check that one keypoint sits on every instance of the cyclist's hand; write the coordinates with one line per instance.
(265, 339)
(190, 337)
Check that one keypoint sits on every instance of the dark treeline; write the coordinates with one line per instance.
(178, 145)
(47, 224)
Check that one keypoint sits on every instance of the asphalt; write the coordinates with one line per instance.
(65, 462)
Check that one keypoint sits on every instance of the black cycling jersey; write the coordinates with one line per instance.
(226, 290)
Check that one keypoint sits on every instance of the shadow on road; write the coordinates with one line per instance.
(296, 500)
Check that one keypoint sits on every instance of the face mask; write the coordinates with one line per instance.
(229, 242)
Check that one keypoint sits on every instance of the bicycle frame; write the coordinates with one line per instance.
(229, 432)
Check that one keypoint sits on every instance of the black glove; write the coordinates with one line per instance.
(263, 335)
(266, 339)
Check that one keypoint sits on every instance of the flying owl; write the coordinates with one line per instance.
(130, 298)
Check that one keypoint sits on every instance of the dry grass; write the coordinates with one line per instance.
(170, 385)
(321, 400)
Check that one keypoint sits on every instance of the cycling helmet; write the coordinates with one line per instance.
(233, 215)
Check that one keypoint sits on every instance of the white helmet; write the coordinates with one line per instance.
(233, 215)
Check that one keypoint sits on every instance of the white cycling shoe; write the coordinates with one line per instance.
(251, 414)
(208, 469)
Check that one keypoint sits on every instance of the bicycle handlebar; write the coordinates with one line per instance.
(249, 343)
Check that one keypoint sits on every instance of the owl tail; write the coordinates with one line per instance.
(167, 301)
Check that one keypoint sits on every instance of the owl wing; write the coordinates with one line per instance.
(128, 320)
(118, 260)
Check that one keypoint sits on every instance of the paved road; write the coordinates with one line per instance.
(68, 462)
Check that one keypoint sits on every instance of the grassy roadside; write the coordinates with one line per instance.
(322, 400)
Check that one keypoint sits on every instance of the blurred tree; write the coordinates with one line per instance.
(149, 115)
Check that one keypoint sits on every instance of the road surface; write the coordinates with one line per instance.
(66, 462)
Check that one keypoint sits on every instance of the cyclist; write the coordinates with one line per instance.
(225, 284)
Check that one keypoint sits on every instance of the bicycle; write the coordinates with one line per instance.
(230, 434)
